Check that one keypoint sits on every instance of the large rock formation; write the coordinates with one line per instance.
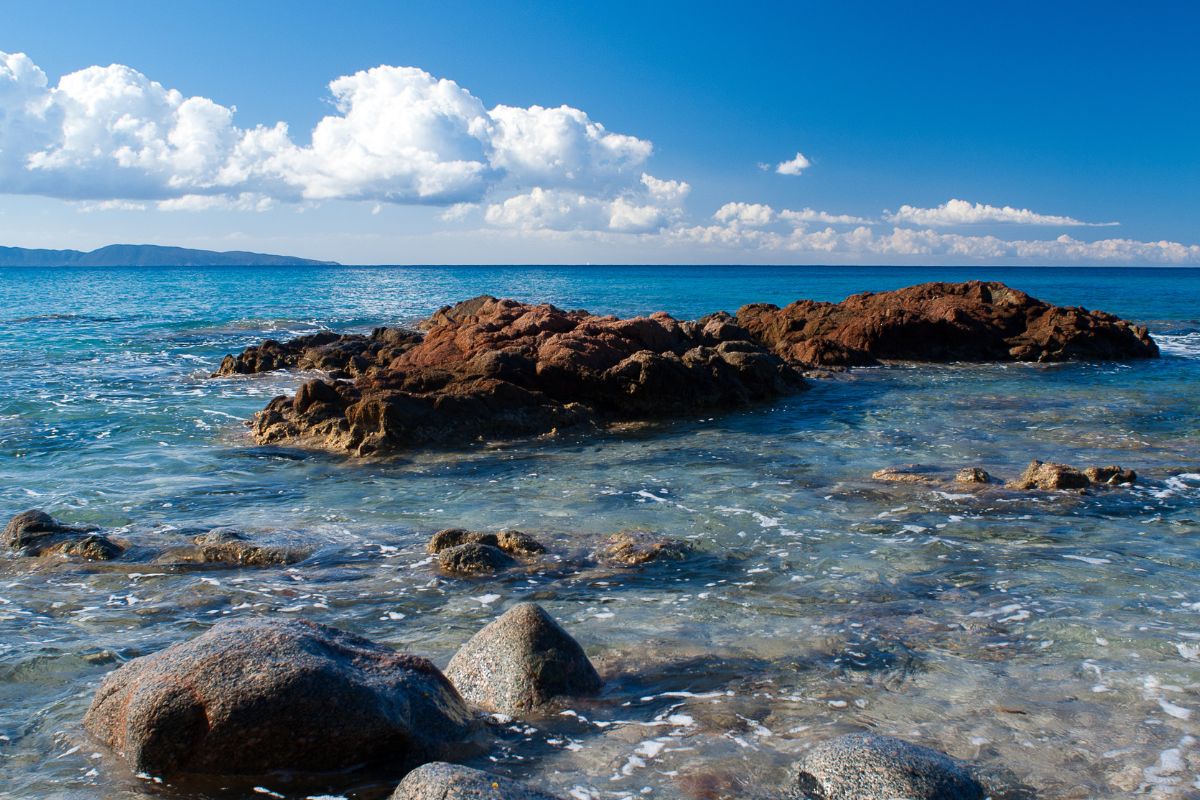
(500, 368)
(869, 767)
(442, 781)
(257, 695)
(974, 321)
(340, 355)
(520, 662)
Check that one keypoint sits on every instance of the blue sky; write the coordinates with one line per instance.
(929, 133)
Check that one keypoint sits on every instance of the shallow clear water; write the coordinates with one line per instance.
(1054, 640)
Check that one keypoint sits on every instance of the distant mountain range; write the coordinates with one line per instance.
(146, 255)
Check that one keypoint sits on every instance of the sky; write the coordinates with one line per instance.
(501, 132)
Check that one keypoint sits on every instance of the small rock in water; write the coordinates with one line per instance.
(251, 696)
(35, 533)
(519, 544)
(473, 558)
(228, 546)
(1111, 475)
(1049, 477)
(453, 537)
(632, 548)
(869, 767)
(441, 781)
(972, 475)
(521, 662)
(910, 473)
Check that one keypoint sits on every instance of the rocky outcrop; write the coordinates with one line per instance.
(634, 548)
(1050, 477)
(869, 767)
(464, 552)
(972, 475)
(234, 548)
(36, 533)
(1112, 475)
(499, 368)
(340, 355)
(474, 558)
(441, 781)
(973, 321)
(256, 695)
(521, 662)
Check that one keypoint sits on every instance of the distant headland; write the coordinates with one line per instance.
(146, 255)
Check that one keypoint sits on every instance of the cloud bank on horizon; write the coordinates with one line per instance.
(112, 138)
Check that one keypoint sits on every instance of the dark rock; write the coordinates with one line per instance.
(1112, 475)
(973, 321)
(1049, 476)
(441, 781)
(453, 537)
(972, 475)
(474, 558)
(521, 662)
(256, 695)
(499, 368)
(633, 548)
(338, 354)
(869, 767)
(35, 533)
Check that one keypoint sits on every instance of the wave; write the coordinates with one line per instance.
(1180, 345)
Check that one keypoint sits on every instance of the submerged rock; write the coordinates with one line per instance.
(972, 475)
(521, 662)
(250, 696)
(441, 781)
(870, 767)
(228, 546)
(1049, 476)
(634, 548)
(36, 533)
(911, 473)
(474, 558)
(1112, 475)
(973, 321)
(499, 368)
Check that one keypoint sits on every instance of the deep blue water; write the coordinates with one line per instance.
(1077, 617)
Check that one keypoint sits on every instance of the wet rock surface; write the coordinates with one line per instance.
(36, 533)
(341, 355)
(973, 321)
(474, 558)
(520, 663)
(442, 781)
(972, 475)
(1111, 475)
(870, 767)
(499, 368)
(909, 473)
(232, 547)
(257, 695)
(634, 548)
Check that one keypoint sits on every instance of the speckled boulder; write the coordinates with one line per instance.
(251, 696)
(520, 662)
(519, 544)
(473, 558)
(972, 475)
(228, 546)
(442, 781)
(633, 548)
(453, 537)
(870, 767)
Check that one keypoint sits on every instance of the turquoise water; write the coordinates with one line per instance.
(1053, 640)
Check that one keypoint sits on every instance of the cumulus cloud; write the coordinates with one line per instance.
(961, 212)
(754, 215)
(808, 215)
(793, 166)
(398, 135)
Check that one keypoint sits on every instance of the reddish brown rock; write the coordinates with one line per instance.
(974, 321)
(499, 368)
(341, 355)
(1049, 477)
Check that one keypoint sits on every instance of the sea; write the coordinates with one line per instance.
(1050, 639)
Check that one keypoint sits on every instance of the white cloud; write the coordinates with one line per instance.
(246, 201)
(809, 215)
(962, 212)
(398, 135)
(793, 166)
(671, 192)
(753, 215)
(458, 211)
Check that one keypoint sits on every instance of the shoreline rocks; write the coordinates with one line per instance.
(940, 322)
(441, 781)
(463, 552)
(36, 533)
(251, 696)
(520, 663)
(871, 767)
